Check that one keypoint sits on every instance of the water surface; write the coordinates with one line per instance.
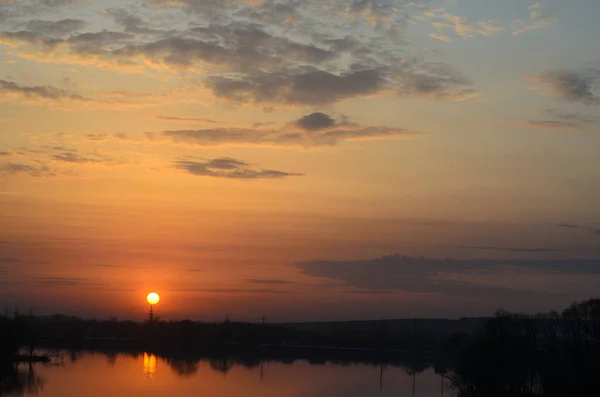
(121, 375)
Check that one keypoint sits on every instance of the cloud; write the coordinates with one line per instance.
(121, 135)
(192, 5)
(242, 54)
(104, 37)
(58, 161)
(571, 86)
(188, 120)
(17, 168)
(62, 99)
(44, 2)
(234, 290)
(316, 121)
(511, 249)
(228, 168)
(45, 93)
(435, 80)
(95, 137)
(69, 157)
(72, 156)
(54, 98)
(576, 118)
(123, 266)
(314, 130)
(568, 225)
(538, 19)
(59, 281)
(54, 28)
(46, 43)
(467, 28)
(555, 119)
(63, 2)
(63, 282)
(593, 230)
(268, 281)
(440, 37)
(442, 276)
(553, 125)
(298, 87)
(129, 22)
(4, 154)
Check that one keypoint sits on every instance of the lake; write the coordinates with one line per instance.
(90, 374)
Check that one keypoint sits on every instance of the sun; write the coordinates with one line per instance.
(153, 298)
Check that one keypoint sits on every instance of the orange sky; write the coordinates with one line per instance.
(264, 157)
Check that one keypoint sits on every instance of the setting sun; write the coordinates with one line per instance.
(153, 298)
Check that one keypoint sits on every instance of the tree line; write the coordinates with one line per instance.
(513, 355)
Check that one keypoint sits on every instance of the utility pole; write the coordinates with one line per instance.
(381, 378)
(151, 315)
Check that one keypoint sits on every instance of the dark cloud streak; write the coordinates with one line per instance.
(268, 281)
(424, 275)
(228, 168)
(572, 86)
(511, 249)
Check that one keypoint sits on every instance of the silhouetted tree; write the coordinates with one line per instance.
(522, 356)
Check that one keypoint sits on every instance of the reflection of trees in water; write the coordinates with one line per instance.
(17, 382)
(221, 364)
(183, 368)
(186, 367)
(414, 368)
(75, 355)
(111, 358)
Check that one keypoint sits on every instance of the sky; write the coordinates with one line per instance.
(299, 160)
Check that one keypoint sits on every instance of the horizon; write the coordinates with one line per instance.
(271, 157)
(143, 319)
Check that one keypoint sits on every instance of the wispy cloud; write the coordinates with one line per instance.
(557, 120)
(60, 281)
(123, 266)
(513, 249)
(464, 27)
(8, 169)
(312, 130)
(188, 120)
(266, 291)
(538, 19)
(592, 229)
(54, 28)
(571, 86)
(62, 99)
(424, 275)
(242, 55)
(268, 281)
(229, 168)
(440, 37)
(57, 161)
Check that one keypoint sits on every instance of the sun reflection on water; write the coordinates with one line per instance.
(150, 365)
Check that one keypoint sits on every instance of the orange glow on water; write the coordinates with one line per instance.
(150, 365)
